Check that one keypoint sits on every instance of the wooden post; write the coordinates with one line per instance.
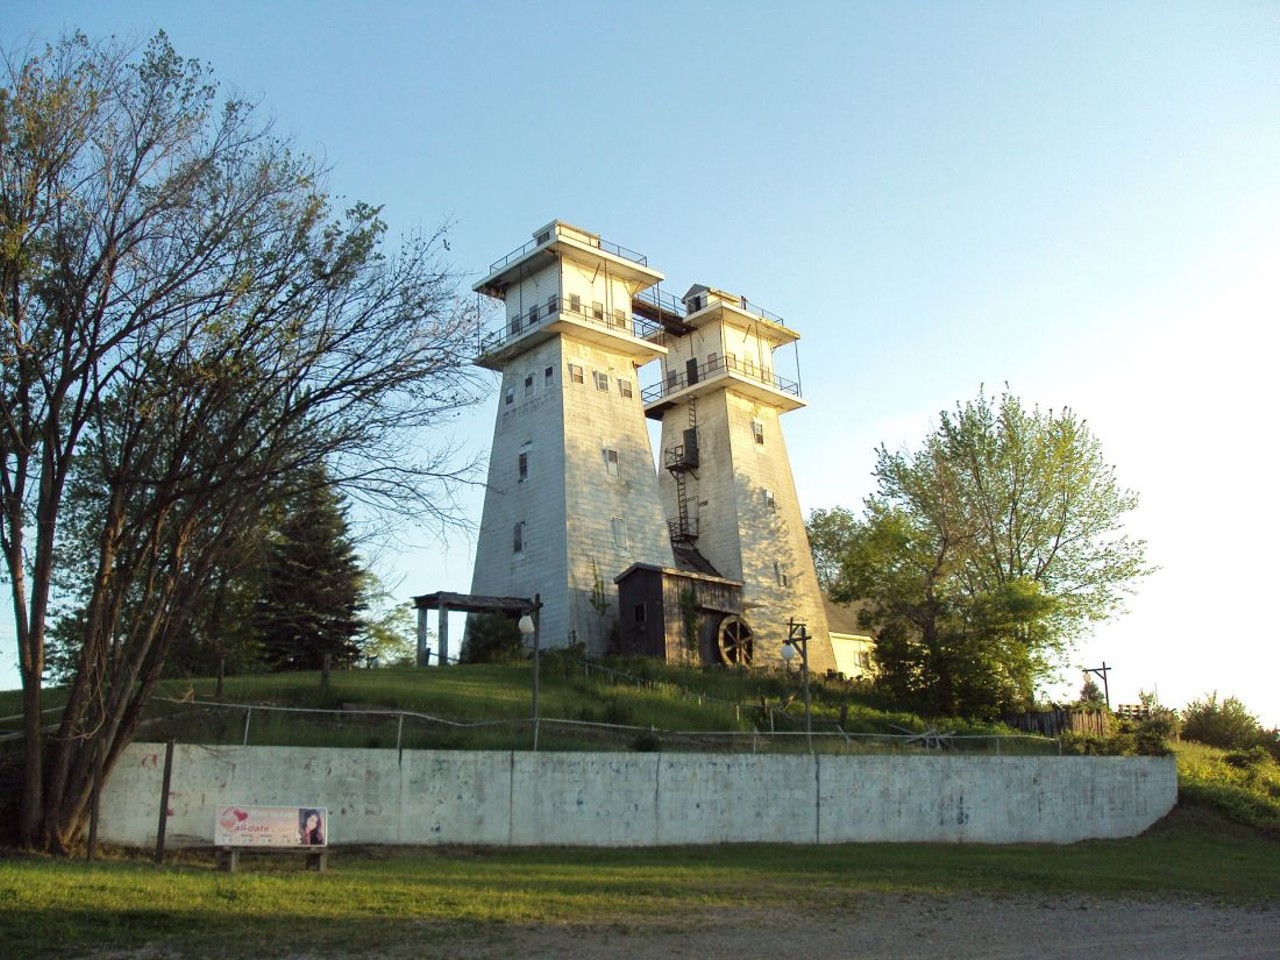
(164, 801)
(442, 635)
(424, 655)
(537, 629)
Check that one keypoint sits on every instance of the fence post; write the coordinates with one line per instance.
(167, 781)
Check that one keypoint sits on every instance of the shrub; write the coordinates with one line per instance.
(1226, 724)
(492, 638)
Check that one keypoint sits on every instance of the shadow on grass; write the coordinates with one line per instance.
(376, 898)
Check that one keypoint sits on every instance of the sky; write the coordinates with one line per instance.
(1078, 200)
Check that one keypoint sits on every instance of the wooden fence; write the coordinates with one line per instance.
(1054, 723)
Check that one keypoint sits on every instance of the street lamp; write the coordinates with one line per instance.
(799, 636)
(528, 627)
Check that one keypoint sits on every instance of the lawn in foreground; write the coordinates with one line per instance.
(375, 897)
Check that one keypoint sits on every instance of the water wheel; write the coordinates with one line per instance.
(736, 642)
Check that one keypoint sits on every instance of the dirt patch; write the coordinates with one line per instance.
(883, 927)
(917, 928)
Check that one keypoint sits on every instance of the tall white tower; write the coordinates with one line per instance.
(572, 497)
(727, 487)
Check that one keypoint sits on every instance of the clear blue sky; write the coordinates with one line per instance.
(1079, 199)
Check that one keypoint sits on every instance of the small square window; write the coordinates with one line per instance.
(518, 538)
(509, 396)
(757, 431)
(597, 310)
(553, 304)
(548, 376)
(575, 373)
(533, 315)
(619, 318)
(624, 388)
(611, 462)
(602, 379)
(528, 385)
(575, 303)
(513, 325)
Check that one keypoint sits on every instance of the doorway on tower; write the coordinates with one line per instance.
(683, 616)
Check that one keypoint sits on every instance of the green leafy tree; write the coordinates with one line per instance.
(390, 635)
(829, 534)
(186, 326)
(1225, 723)
(312, 585)
(984, 554)
(1091, 694)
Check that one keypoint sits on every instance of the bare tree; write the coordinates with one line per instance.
(186, 327)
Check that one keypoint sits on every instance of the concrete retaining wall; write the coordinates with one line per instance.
(643, 799)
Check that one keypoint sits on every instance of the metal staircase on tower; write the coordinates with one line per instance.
(681, 462)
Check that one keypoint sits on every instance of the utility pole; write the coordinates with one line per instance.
(1102, 671)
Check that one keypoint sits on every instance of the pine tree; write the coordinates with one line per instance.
(311, 593)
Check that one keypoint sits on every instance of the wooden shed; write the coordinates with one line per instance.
(682, 616)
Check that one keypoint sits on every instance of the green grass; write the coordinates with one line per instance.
(374, 897)
(621, 705)
(1243, 786)
(1219, 844)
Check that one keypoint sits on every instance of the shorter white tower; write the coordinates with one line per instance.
(727, 486)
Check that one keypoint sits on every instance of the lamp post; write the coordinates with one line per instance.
(799, 636)
(528, 627)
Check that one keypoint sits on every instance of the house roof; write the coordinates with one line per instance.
(843, 617)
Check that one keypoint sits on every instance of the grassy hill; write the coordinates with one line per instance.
(619, 705)
(634, 704)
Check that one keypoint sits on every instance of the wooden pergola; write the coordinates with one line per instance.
(463, 603)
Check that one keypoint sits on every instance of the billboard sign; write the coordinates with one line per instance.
(254, 826)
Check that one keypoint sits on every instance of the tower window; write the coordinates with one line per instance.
(523, 468)
(713, 361)
(619, 318)
(575, 372)
(528, 385)
(757, 431)
(624, 388)
(533, 315)
(611, 462)
(518, 538)
(770, 502)
(597, 310)
(602, 379)
(619, 525)
(575, 303)
(509, 396)
(553, 304)
(781, 577)
(548, 376)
